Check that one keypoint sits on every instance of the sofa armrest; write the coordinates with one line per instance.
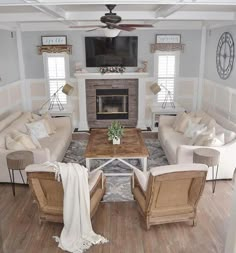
(166, 120)
(63, 122)
(227, 163)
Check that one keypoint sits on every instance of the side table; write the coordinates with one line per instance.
(211, 158)
(18, 160)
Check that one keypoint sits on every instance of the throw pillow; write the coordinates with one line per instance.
(49, 124)
(37, 129)
(229, 136)
(11, 144)
(203, 138)
(182, 123)
(29, 141)
(177, 119)
(217, 141)
(192, 129)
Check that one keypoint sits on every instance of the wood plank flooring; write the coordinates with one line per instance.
(121, 223)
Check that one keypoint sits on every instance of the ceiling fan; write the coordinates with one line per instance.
(111, 21)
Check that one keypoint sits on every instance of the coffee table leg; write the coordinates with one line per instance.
(88, 164)
(144, 163)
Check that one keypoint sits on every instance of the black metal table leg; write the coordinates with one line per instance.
(13, 183)
(214, 180)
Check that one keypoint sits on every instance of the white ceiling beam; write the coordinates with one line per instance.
(201, 15)
(54, 11)
(126, 16)
(96, 15)
(165, 11)
(24, 17)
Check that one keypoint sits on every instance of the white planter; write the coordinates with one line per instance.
(116, 141)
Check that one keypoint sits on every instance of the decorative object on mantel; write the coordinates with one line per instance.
(156, 88)
(112, 69)
(115, 132)
(54, 99)
(144, 68)
(54, 44)
(79, 69)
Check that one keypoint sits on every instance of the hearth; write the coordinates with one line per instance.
(112, 104)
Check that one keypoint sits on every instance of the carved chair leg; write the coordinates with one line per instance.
(147, 224)
(194, 222)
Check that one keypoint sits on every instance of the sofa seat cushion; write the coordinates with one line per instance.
(56, 143)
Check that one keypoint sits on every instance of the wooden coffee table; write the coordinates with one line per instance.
(132, 147)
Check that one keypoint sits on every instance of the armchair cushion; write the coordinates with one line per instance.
(142, 178)
(157, 171)
(93, 178)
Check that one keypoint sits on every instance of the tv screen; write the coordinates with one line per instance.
(118, 51)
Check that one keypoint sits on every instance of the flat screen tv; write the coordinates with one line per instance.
(118, 51)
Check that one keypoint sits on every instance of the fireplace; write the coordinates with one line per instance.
(112, 104)
(111, 99)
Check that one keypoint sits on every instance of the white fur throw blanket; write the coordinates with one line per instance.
(77, 234)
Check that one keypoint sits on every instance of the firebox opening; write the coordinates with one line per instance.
(112, 104)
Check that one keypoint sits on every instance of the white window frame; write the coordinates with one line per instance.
(177, 60)
(67, 74)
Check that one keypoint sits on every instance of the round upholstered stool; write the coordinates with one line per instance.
(211, 158)
(18, 160)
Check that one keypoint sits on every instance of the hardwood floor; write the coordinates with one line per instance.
(121, 223)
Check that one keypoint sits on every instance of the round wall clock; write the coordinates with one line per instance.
(225, 55)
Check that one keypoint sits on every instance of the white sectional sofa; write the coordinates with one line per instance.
(53, 148)
(178, 150)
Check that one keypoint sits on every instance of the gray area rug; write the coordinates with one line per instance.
(118, 188)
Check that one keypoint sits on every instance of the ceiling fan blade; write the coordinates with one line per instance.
(136, 25)
(87, 26)
(128, 29)
(94, 29)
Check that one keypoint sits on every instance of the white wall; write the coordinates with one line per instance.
(11, 98)
(219, 94)
(9, 69)
(189, 60)
(188, 71)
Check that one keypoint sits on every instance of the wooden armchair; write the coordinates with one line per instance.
(48, 192)
(169, 193)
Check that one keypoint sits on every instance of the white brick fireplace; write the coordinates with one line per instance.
(81, 82)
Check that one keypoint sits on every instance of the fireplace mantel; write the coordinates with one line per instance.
(143, 78)
(98, 75)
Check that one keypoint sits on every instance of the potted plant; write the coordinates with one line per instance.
(115, 132)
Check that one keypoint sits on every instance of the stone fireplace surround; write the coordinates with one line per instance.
(92, 85)
(139, 78)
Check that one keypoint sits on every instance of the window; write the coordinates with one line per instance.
(166, 74)
(56, 70)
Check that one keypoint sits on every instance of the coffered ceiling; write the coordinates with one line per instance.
(31, 15)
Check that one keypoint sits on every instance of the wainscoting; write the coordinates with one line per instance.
(220, 99)
(11, 98)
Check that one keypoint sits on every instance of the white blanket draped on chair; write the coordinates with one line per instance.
(77, 234)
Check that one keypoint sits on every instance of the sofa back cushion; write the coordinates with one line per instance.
(18, 124)
(8, 120)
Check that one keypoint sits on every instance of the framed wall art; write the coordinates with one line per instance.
(168, 38)
(53, 40)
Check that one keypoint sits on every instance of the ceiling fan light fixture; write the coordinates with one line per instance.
(111, 33)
